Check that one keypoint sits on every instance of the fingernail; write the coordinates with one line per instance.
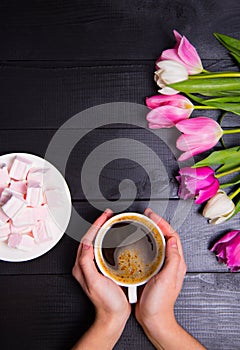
(173, 242)
(86, 244)
(147, 211)
(108, 211)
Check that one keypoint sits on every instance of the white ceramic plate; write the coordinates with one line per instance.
(61, 212)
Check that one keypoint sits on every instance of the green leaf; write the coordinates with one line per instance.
(234, 182)
(207, 85)
(230, 107)
(236, 56)
(224, 99)
(232, 44)
(229, 159)
(237, 209)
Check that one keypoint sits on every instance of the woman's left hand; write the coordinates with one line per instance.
(111, 304)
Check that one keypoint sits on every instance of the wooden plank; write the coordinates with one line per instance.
(112, 30)
(44, 312)
(196, 234)
(46, 97)
(105, 158)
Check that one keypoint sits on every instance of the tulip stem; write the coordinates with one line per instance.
(215, 75)
(227, 172)
(232, 131)
(205, 107)
(231, 196)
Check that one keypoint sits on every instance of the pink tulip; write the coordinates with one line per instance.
(199, 135)
(185, 53)
(199, 183)
(167, 110)
(227, 250)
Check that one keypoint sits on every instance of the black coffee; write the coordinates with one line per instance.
(130, 251)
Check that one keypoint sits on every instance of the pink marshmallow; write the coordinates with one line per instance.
(4, 231)
(34, 195)
(41, 213)
(5, 195)
(3, 218)
(13, 206)
(4, 176)
(23, 242)
(20, 168)
(53, 198)
(37, 175)
(18, 186)
(41, 232)
(20, 229)
(24, 218)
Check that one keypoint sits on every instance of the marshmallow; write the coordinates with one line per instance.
(20, 168)
(40, 232)
(13, 206)
(5, 196)
(18, 186)
(41, 213)
(4, 176)
(34, 195)
(53, 198)
(37, 175)
(4, 231)
(20, 229)
(3, 218)
(23, 242)
(24, 218)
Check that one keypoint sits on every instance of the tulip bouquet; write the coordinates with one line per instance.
(186, 86)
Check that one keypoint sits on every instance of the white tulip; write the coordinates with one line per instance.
(169, 72)
(219, 208)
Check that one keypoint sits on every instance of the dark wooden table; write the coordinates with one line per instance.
(59, 58)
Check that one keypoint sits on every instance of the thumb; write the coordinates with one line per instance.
(173, 257)
(87, 265)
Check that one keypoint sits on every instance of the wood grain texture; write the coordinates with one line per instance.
(54, 312)
(59, 58)
(147, 159)
(45, 97)
(116, 30)
(196, 234)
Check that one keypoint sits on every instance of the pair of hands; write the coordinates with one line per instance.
(155, 306)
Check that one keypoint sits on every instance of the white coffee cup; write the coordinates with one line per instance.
(145, 230)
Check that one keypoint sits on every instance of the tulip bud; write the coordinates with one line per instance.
(199, 135)
(168, 110)
(199, 183)
(219, 208)
(169, 72)
(227, 250)
(185, 53)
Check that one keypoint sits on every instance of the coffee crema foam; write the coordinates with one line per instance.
(132, 262)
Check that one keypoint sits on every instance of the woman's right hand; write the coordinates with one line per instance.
(155, 308)
(156, 304)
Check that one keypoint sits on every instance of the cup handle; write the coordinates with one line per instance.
(132, 294)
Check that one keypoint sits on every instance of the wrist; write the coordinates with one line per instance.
(110, 325)
(157, 327)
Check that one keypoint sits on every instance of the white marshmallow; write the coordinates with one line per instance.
(20, 168)
(13, 206)
(22, 242)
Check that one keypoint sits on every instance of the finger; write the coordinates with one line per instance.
(91, 233)
(87, 266)
(164, 226)
(173, 258)
(77, 271)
